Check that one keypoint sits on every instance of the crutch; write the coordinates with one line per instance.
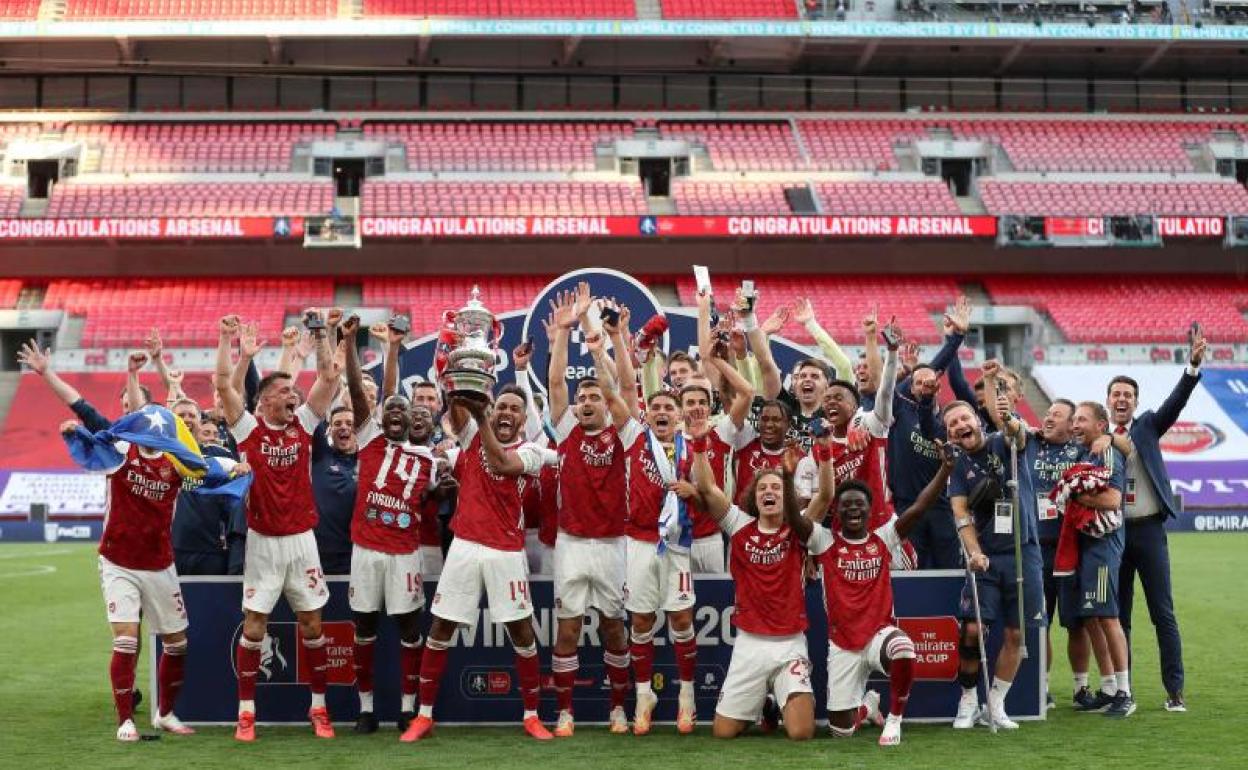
(1016, 514)
(983, 647)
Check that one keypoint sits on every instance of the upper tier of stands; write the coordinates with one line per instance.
(1110, 198)
(503, 198)
(11, 200)
(196, 147)
(76, 10)
(517, 146)
(741, 146)
(1138, 309)
(83, 199)
(574, 9)
(19, 10)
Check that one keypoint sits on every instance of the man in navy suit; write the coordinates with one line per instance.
(1147, 504)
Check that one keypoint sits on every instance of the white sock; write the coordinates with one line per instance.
(246, 705)
(644, 687)
(1081, 680)
(686, 689)
(409, 703)
(1109, 684)
(530, 713)
(970, 693)
(426, 711)
(1000, 688)
(366, 701)
(318, 700)
(1124, 680)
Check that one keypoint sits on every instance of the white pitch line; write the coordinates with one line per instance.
(38, 569)
(35, 554)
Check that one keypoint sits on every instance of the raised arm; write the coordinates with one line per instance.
(563, 317)
(40, 362)
(618, 409)
(626, 375)
(1168, 413)
(1002, 416)
(249, 345)
(134, 364)
(911, 517)
(171, 379)
(882, 413)
(390, 369)
(231, 397)
(760, 344)
(323, 390)
(871, 341)
(742, 391)
(714, 501)
(804, 313)
(825, 487)
(355, 376)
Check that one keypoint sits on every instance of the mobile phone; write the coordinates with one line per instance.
(526, 347)
(313, 321)
(400, 323)
(609, 315)
(749, 295)
(891, 336)
(1193, 332)
(1002, 386)
(817, 428)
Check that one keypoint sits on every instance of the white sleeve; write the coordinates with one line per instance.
(820, 540)
(567, 421)
(467, 433)
(452, 456)
(734, 520)
(533, 418)
(878, 420)
(888, 533)
(806, 477)
(370, 430)
(735, 437)
(631, 431)
(549, 456)
(243, 426)
(307, 418)
(533, 458)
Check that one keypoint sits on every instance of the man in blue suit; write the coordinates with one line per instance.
(1147, 504)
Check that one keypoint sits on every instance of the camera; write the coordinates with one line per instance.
(400, 323)
(313, 321)
(609, 316)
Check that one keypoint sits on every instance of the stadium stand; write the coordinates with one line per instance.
(81, 10)
(856, 145)
(731, 197)
(741, 146)
(1139, 309)
(519, 146)
(81, 199)
(19, 10)
(573, 9)
(11, 200)
(10, 288)
(729, 9)
(1113, 198)
(503, 198)
(841, 301)
(195, 147)
(425, 298)
(120, 312)
(930, 197)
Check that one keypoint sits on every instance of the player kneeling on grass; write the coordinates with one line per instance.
(767, 557)
(858, 595)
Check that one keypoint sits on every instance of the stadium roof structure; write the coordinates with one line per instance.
(895, 47)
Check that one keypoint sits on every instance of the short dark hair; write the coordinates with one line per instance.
(426, 384)
(852, 485)
(588, 382)
(816, 363)
(269, 379)
(776, 404)
(337, 411)
(669, 395)
(949, 407)
(681, 355)
(847, 385)
(1135, 386)
(1066, 402)
(919, 366)
(512, 389)
(695, 388)
(1098, 410)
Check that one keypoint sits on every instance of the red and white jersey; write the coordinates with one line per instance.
(751, 458)
(138, 516)
(593, 484)
(768, 570)
(490, 508)
(280, 501)
(430, 533)
(719, 455)
(857, 588)
(393, 477)
(868, 465)
(646, 490)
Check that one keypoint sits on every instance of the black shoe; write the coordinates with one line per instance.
(138, 699)
(771, 715)
(405, 718)
(1049, 703)
(366, 723)
(1123, 706)
(1088, 702)
(1175, 703)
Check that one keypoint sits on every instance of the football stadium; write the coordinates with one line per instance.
(751, 383)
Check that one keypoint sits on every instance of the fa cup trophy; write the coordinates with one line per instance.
(467, 350)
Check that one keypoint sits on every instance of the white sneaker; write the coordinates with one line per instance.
(892, 731)
(127, 731)
(872, 701)
(968, 712)
(171, 724)
(646, 701)
(618, 721)
(996, 712)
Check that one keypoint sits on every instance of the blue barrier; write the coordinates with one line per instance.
(480, 684)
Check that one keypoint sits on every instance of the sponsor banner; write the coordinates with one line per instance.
(681, 227)
(151, 228)
(65, 493)
(1206, 450)
(1191, 227)
(50, 532)
(1222, 521)
(480, 682)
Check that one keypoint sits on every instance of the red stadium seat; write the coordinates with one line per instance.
(75, 199)
(503, 198)
(76, 10)
(249, 147)
(575, 9)
(1114, 198)
(515, 146)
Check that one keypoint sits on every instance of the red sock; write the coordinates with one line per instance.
(247, 661)
(686, 652)
(169, 676)
(617, 674)
(318, 663)
(409, 666)
(362, 663)
(564, 669)
(121, 673)
(643, 658)
(900, 680)
(530, 677)
(432, 664)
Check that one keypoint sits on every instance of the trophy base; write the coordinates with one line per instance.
(468, 384)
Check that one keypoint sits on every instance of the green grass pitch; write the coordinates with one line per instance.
(56, 710)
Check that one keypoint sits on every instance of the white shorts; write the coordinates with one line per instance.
(431, 561)
(708, 555)
(394, 580)
(589, 572)
(131, 595)
(657, 581)
(287, 565)
(472, 568)
(849, 670)
(533, 550)
(763, 664)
